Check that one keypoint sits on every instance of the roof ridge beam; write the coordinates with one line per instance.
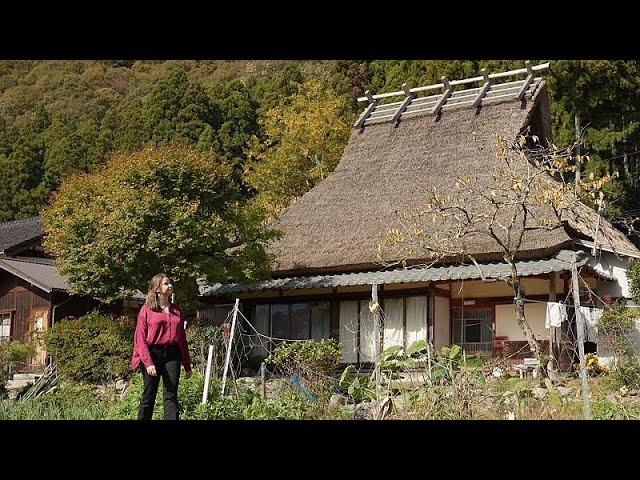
(403, 106)
(368, 111)
(488, 81)
(445, 96)
(529, 69)
(523, 90)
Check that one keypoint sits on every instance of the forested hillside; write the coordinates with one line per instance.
(264, 118)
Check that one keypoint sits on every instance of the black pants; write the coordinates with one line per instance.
(166, 358)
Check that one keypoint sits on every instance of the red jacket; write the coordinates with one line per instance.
(159, 328)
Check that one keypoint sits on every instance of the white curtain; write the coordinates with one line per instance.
(349, 330)
(366, 332)
(393, 328)
(416, 319)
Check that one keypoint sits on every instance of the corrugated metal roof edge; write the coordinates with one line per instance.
(11, 269)
(495, 270)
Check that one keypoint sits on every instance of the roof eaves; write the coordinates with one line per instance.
(562, 261)
(9, 268)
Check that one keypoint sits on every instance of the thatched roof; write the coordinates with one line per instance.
(388, 167)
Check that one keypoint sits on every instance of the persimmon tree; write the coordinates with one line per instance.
(526, 191)
(171, 209)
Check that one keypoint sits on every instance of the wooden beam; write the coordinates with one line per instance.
(485, 88)
(403, 106)
(445, 96)
(528, 69)
(525, 86)
(366, 114)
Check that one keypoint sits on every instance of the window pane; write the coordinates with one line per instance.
(320, 320)
(487, 330)
(300, 321)
(457, 331)
(472, 331)
(261, 323)
(280, 322)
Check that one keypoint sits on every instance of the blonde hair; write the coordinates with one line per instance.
(152, 295)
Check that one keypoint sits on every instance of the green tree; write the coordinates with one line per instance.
(304, 142)
(171, 209)
(163, 106)
(238, 123)
(24, 193)
(196, 113)
(63, 153)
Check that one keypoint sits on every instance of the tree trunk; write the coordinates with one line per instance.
(518, 302)
(534, 346)
(578, 141)
(625, 160)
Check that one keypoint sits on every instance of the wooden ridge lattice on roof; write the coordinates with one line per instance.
(416, 101)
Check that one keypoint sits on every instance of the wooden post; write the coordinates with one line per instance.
(375, 309)
(580, 326)
(552, 330)
(263, 378)
(207, 375)
(233, 329)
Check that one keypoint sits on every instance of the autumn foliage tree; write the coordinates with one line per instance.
(304, 142)
(525, 192)
(171, 209)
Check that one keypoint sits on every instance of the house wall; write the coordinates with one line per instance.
(480, 289)
(609, 264)
(506, 324)
(442, 323)
(350, 316)
(26, 303)
(29, 307)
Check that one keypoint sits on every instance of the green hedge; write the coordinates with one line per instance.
(95, 348)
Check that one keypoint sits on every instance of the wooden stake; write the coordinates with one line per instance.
(233, 329)
(375, 309)
(207, 375)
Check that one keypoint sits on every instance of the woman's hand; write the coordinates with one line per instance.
(187, 374)
(151, 370)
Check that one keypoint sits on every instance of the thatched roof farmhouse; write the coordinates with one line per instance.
(396, 154)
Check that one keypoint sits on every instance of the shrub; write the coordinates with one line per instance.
(314, 362)
(67, 402)
(12, 353)
(199, 337)
(633, 274)
(95, 348)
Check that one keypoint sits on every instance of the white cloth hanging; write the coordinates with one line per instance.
(591, 317)
(556, 314)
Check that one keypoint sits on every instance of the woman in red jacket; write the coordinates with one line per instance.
(159, 347)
